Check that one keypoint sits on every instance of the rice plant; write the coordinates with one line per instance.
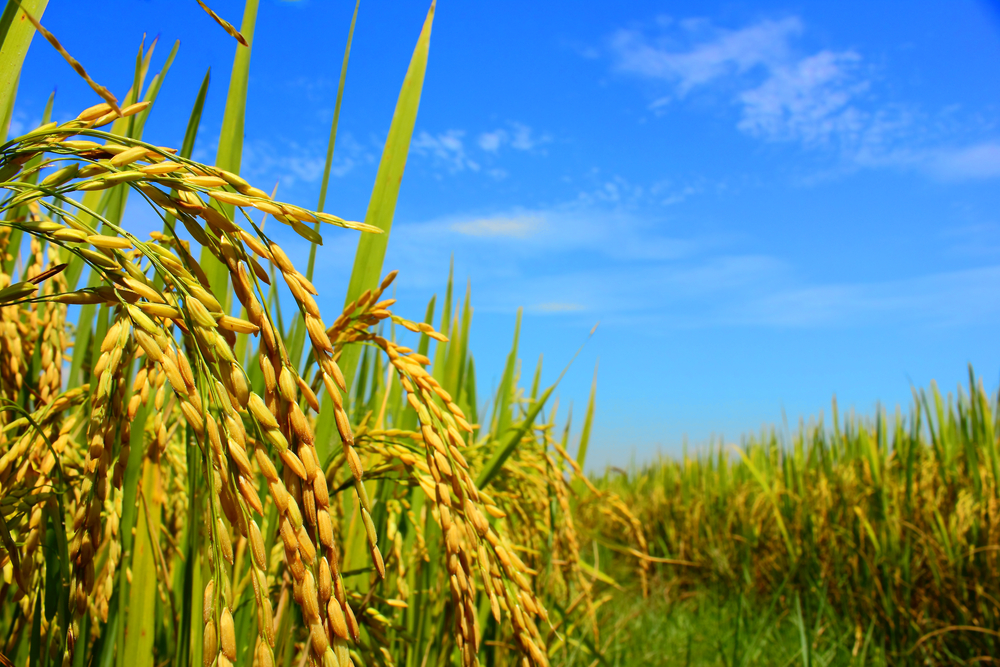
(881, 531)
(189, 476)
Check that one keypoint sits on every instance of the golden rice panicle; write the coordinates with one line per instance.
(101, 436)
(452, 490)
(273, 415)
(309, 486)
(99, 89)
(52, 338)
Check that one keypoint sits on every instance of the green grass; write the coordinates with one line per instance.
(713, 629)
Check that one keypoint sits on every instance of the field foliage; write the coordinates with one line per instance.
(199, 465)
(879, 532)
(197, 468)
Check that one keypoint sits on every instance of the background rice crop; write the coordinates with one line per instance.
(882, 526)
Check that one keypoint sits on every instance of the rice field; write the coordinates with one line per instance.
(199, 465)
(871, 535)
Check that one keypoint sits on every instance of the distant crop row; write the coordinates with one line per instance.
(892, 523)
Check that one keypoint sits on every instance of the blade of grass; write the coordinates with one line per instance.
(769, 492)
(803, 634)
(133, 471)
(440, 354)
(331, 143)
(15, 38)
(502, 407)
(581, 454)
(381, 209)
(194, 120)
(140, 626)
(510, 441)
(139, 120)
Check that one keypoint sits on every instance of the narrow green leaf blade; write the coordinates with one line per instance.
(381, 209)
(333, 134)
(15, 38)
(502, 408)
(581, 454)
(510, 442)
(382, 206)
(140, 626)
(191, 132)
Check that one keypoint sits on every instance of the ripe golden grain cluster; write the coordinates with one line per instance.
(184, 479)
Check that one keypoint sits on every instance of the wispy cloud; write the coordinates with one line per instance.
(940, 299)
(446, 148)
(785, 93)
(970, 162)
(554, 307)
(782, 95)
(809, 100)
(517, 136)
(979, 239)
(291, 163)
(589, 258)
(723, 53)
(516, 227)
(456, 151)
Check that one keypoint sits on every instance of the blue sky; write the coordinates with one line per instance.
(764, 204)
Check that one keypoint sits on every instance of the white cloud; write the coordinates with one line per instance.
(975, 161)
(515, 227)
(555, 307)
(491, 141)
(615, 190)
(445, 148)
(516, 135)
(808, 100)
(979, 238)
(940, 299)
(972, 162)
(591, 259)
(781, 95)
(292, 164)
(728, 52)
(825, 98)
(522, 139)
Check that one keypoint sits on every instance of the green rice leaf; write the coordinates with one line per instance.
(381, 209)
(581, 454)
(510, 441)
(331, 143)
(15, 38)
(140, 626)
(502, 410)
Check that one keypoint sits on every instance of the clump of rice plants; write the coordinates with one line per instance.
(187, 478)
(884, 530)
